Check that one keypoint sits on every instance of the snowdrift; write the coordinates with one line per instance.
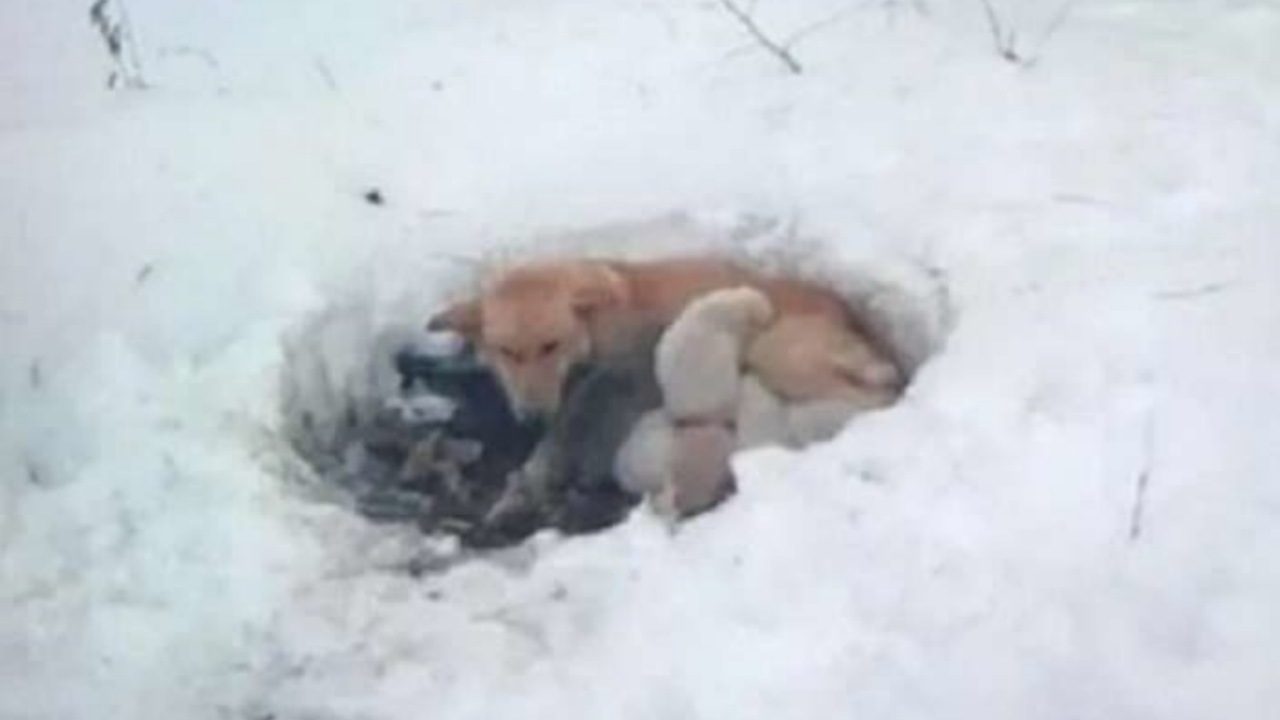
(1070, 514)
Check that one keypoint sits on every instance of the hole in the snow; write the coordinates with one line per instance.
(407, 426)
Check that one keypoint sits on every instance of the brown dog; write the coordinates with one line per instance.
(536, 320)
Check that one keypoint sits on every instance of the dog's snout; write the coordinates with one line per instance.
(531, 414)
(536, 422)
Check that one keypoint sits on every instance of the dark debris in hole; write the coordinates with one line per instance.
(440, 450)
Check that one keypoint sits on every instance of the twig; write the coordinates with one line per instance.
(1005, 44)
(34, 474)
(781, 52)
(325, 74)
(1194, 292)
(1144, 478)
(127, 25)
(117, 33)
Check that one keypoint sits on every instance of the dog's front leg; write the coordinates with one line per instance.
(527, 487)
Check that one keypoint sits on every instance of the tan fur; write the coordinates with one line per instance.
(809, 357)
(535, 320)
(534, 323)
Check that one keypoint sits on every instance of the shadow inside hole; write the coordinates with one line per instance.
(364, 407)
(434, 442)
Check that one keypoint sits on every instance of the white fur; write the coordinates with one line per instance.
(643, 463)
(650, 463)
(699, 358)
(762, 415)
(818, 420)
(766, 419)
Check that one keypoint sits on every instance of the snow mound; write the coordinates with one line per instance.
(1072, 512)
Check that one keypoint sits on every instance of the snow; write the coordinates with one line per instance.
(1079, 252)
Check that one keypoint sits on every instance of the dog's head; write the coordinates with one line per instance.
(532, 325)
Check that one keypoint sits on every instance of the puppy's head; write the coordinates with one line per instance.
(743, 309)
(531, 327)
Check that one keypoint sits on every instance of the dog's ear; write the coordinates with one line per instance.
(460, 317)
(598, 286)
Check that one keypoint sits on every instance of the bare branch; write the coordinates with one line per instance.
(1005, 43)
(325, 74)
(1212, 288)
(111, 19)
(1144, 478)
(35, 475)
(1006, 40)
(993, 24)
(779, 51)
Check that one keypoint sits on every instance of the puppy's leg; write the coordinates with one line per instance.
(807, 358)
(819, 420)
(701, 476)
(762, 416)
(643, 463)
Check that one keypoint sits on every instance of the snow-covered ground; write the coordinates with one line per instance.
(1094, 229)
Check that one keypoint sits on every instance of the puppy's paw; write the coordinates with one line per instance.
(662, 503)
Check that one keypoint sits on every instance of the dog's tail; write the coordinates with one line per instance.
(871, 373)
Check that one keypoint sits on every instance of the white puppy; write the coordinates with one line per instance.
(701, 474)
(819, 420)
(643, 463)
(766, 419)
(682, 470)
(762, 416)
(700, 355)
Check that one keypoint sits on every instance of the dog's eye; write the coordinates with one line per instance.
(549, 348)
(512, 355)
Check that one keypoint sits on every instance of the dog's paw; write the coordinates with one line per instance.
(521, 496)
(517, 514)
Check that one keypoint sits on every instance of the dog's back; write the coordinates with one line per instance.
(660, 289)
